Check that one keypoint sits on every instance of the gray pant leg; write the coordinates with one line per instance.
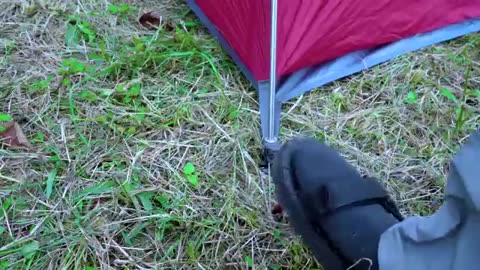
(448, 239)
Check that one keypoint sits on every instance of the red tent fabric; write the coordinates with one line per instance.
(311, 32)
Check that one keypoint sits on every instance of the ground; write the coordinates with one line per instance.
(142, 146)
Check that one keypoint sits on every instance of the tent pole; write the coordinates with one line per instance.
(271, 145)
(271, 138)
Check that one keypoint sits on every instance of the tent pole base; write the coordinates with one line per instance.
(270, 150)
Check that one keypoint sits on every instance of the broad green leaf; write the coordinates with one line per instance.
(90, 268)
(474, 93)
(145, 200)
(193, 179)
(134, 90)
(249, 261)
(102, 188)
(29, 250)
(113, 9)
(136, 231)
(139, 47)
(411, 97)
(233, 113)
(124, 8)
(106, 93)
(72, 37)
(131, 130)
(276, 234)
(446, 93)
(101, 119)
(127, 239)
(50, 181)
(459, 111)
(88, 95)
(163, 200)
(40, 136)
(189, 168)
(83, 27)
(6, 206)
(2, 129)
(191, 251)
(5, 117)
(95, 56)
(4, 264)
(44, 83)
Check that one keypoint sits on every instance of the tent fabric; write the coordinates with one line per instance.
(312, 77)
(449, 238)
(247, 33)
(311, 32)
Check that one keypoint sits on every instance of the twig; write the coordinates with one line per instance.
(116, 246)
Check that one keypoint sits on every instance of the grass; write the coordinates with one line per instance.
(145, 144)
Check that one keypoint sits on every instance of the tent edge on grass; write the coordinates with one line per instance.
(307, 79)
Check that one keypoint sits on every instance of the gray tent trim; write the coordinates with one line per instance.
(216, 34)
(307, 79)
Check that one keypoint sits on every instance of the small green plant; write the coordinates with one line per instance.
(40, 87)
(411, 98)
(50, 182)
(30, 249)
(72, 66)
(4, 118)
(88, 96)
(145, 199)
(126, 94)
(78, 30)
(6, 51)
(40, 138)
(191, 174)
(448, 94)
(122, 10)
(462, 111)
(249, 261)
(339, 101)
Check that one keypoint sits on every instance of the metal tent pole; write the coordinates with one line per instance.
(271, 138)
(271, 144)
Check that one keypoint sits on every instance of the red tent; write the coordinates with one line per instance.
(315, 31)
(318, 41)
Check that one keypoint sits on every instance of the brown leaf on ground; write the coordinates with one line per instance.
(13, 135)
(169, 26)
(277, 209)
(151, 20)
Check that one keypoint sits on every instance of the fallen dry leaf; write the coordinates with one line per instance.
(151, 20)
(169, 26)
(277, 209)
(13, 135)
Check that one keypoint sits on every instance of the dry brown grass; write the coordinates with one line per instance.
(191, 113)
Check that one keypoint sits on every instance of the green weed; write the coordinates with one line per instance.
(4, 118)
(191, 174)
(122, 11)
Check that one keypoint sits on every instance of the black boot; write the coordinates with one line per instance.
(339, 214)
